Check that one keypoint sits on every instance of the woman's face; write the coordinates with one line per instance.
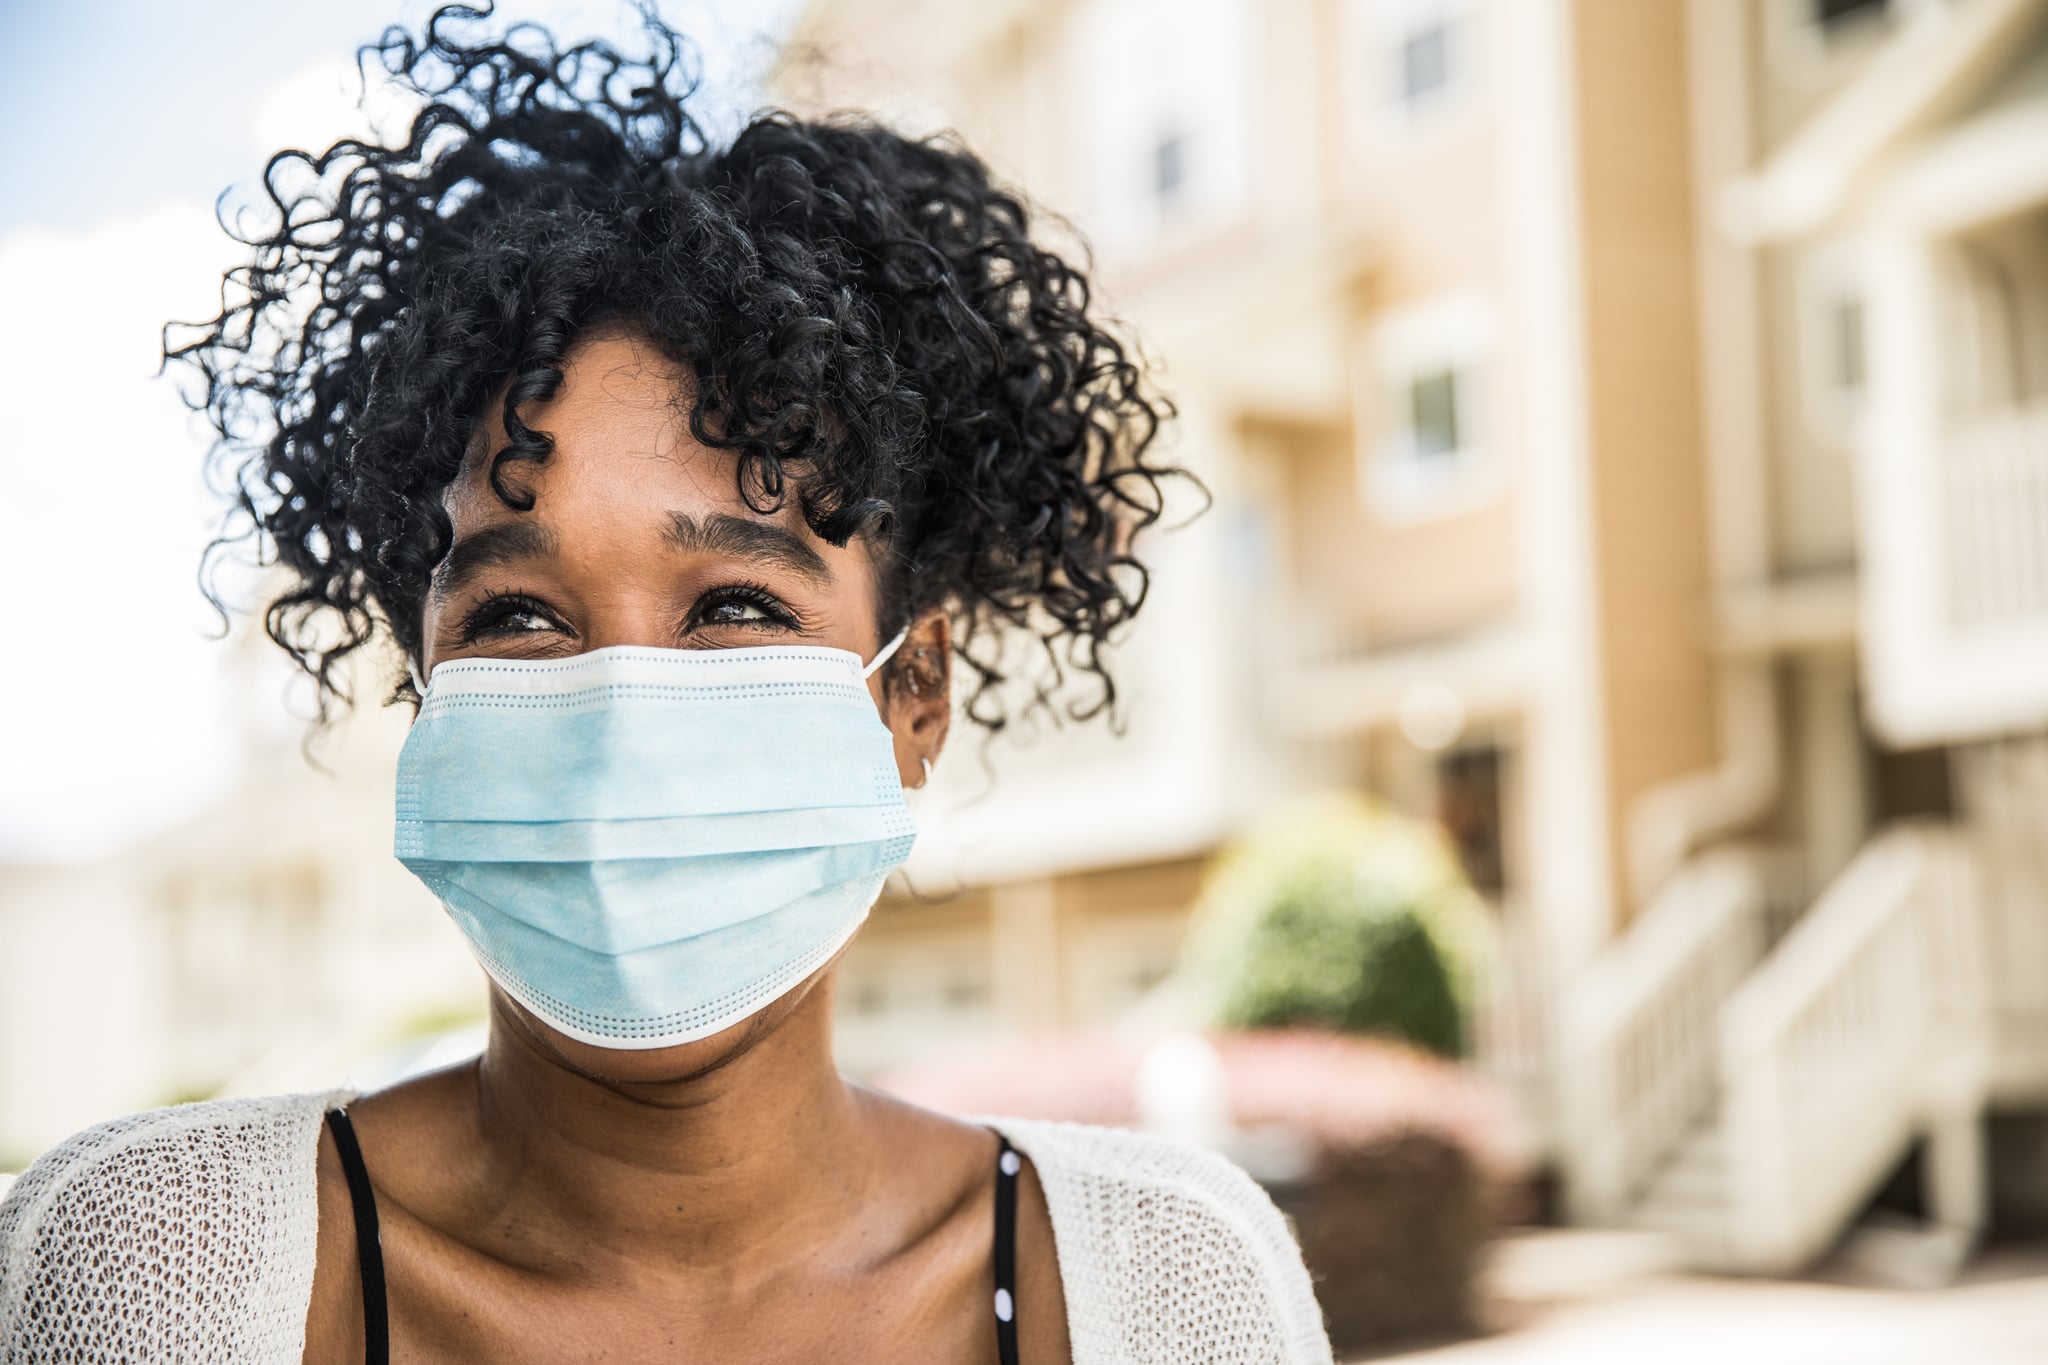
(638, 535)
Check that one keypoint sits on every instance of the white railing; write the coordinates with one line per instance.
(1788, 889)
(2004, 788)
(1637, 1029)
(1995, 476)
(1834, 1053)
(1509, 1024)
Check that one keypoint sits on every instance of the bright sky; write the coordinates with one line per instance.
(115, 714)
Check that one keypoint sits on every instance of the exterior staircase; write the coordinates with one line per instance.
(1687, 1199)
(1748, 1097)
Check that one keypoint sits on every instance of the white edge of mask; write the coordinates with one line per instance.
(778, 985)
(643, 664)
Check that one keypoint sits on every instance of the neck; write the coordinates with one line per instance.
(713, 1164)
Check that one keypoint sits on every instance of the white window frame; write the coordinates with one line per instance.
(1378, 36)
(1452, 333)
(1198, 87)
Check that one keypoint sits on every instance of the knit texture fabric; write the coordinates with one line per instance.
(1168, 1253)
(183, 1234)
(188, 1234)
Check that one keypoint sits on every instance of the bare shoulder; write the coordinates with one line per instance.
(413, 1139)
(334, 1321)
(185, 1231)
(969, 1150)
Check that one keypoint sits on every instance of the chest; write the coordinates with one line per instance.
(940, 1310)
(447, 1301)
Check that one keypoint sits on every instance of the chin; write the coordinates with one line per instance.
(671, 1065)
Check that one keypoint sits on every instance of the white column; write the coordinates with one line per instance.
(1564, 795)
(1900, 504)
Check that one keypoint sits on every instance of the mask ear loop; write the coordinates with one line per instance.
(419, 684)
(882, 657)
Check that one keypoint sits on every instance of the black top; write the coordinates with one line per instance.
(370, 1251)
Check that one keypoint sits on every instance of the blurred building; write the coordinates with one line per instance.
(270, 943)
(1629, 420)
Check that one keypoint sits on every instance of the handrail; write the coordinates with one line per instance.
(1833, 1051)
(1637, 1028)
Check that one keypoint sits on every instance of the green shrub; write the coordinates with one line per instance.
(1338, 914)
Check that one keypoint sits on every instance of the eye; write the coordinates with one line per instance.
(507, 614)
(744, 606)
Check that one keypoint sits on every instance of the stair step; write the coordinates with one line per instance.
(1701, 1156)
(1688, 1201)
(1688, 1189)
(1705, 1145)
(1697, 1174)
(1688, 1198)
(1693, 1226)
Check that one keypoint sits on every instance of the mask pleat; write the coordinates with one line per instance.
(638, 838)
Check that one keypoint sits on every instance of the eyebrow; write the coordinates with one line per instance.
(719, 534)
(724, 534)
(490, 548)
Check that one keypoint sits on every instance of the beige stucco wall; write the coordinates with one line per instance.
(1380, 583)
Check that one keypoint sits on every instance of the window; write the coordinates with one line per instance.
(1848, 347)
(1426, 63)
(1433, 429)
(1165, 139)
(1834, 349)
(1433, 414)
(1414, 60)
(1421, 410)
(1169, 168)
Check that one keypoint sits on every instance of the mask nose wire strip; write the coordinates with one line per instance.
(419, 684)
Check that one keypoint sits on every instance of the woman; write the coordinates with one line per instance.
(678, 475)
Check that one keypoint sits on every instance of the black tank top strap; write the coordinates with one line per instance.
(1008, 1164)
(369, 1249)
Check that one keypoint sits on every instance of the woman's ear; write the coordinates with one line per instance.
(917, 696)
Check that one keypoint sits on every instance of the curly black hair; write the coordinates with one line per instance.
(870, 327)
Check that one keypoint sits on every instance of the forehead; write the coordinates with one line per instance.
(622, 448)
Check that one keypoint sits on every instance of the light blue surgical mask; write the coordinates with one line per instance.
(645, 846)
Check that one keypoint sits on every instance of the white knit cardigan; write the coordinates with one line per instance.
(188, 1234)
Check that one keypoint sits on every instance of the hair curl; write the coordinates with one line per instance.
(870, 327)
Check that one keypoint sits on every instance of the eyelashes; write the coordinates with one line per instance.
(501, 614)
(732, 599)
(732, 606)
